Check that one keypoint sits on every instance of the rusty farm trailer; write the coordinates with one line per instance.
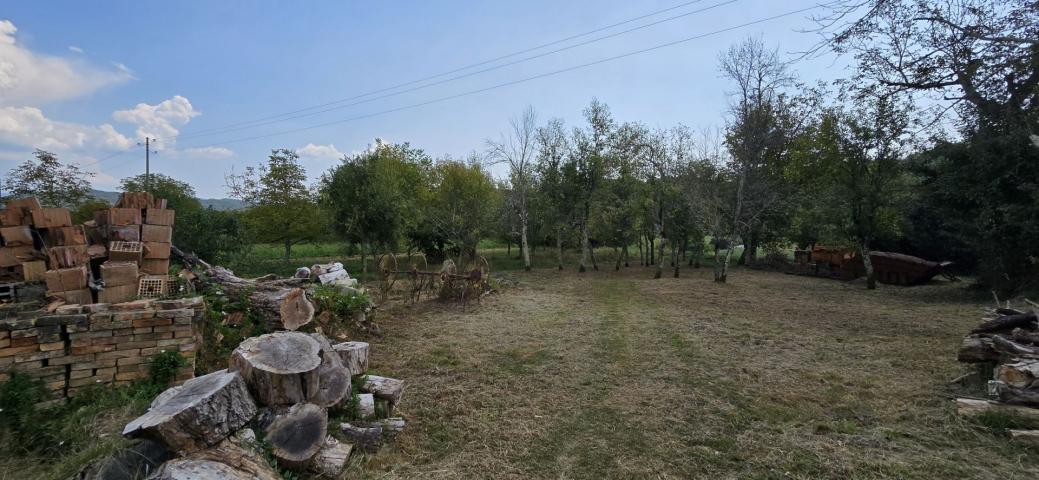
(846, 264)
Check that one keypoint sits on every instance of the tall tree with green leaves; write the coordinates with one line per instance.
(281, 208)
(556, 194)
(589, 163)
(518, 150)
(463, 205)
(53, 183)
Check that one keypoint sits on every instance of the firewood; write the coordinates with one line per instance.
(333, 376)
(354, 356)
(1021, 374)
(1015, 395)
(971, 407)
(369, 436)
(1012, 348)
(331, 459)
(297, 435)
(389, 389)
(279, 368)
(199, 414)
(1007, 322)
(282, 303)
(1024, 336)
(975, 349)
(228, 460)
(1029, 436)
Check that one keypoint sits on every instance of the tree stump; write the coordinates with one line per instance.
(389, 389)
(230, 459)
(369, 436)
(280, 368)
(354, 356)
(334, 378)
(297, 435)
(365, 406)
(201, 413)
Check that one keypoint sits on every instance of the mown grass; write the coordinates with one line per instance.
(616, 375)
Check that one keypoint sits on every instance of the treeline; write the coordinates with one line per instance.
(862, 163)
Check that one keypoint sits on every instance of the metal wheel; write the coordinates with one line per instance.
(387, 270)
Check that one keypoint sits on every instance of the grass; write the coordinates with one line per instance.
(616, 375)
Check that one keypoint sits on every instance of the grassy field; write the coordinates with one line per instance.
(615, 375)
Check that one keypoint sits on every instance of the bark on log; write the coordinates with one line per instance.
(389, 389)
(1007, 322)
(228, 460)
(334, 378)
(282, 303)
(354, 356)
(279, 368)
(331, 459)
(201, 413)
(365, 406)
(369, 436)
(1014, 349)
(1021, 374)
(970, 407)
(1017, 396)
(297, 435)
(1025, 337)
(976, 349)
(1029, 436)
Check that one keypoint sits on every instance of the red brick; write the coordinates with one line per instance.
(129, 376)
(153, 336)
(46, 347)
(152, 322)
(23, 341)
(130, 361)
(11, 351)
(122, 353)
(138, 345)
(91, 349)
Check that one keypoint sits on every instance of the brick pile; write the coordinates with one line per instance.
(77, 346)
(102, 260)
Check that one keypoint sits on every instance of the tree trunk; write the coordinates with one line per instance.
(198, 414)
(660, 261)
(559, 245)
(364, 258)
(642, 258)
(585, 247)
(297, 435)
(651, 250)
(624, 252)
(591, 254)
(617, 266)
(524, 245)
(674, 260)
(288, 250)
(871, 279)
(280, 368)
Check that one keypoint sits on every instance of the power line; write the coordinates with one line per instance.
(522, 80)
(448, 72)
(457, 77)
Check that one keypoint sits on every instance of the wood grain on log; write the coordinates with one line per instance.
(1012, 348)
(1021, 374)
(354, 356)
(389, 389)
(297, 435)
(1029, 436)
(279, 368)
(365, 406)
(331, 459)
(975, 349)
(282, 303)
(1024, 336)
(1015, 395)
(201, 413)
(245, 461)
(369, 436)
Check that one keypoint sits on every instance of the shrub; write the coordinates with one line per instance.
(18, 399)
(163, 368)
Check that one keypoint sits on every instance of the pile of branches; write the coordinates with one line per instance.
(1008, 341)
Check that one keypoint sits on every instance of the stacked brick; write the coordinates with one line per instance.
(82, 345)
(132, 239)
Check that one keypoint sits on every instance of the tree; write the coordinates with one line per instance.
(518, 150)
(54, 184)
(589, 163)
(85, 211)
(555, 193)
(374, 197)
(281, 208)
(180, 196)
(757, 136)
(463, 205)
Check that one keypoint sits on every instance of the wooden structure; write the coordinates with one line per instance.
(450, 284)
(846, 264)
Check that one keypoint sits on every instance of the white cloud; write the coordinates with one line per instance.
(208, 153)
(75, 49)
(28, 78)
(323, 152)
(160, 120)
(29, 127)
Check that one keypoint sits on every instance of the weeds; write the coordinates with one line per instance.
(164, 367)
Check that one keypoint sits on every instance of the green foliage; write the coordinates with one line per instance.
(282, 209)
(85, 211)
(463, 204)
(1000, 422)
(220, 335)
(53, 183)
(179, 195)
(342, 304)
(18, 398)
(164, 367)
(218, 236)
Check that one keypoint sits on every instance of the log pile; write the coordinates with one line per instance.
(274, 400)
(1006, 343)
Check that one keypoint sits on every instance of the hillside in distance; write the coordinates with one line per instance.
(216, 203)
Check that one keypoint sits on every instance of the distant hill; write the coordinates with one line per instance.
(216, 203)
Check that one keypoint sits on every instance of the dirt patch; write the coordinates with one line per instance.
(617, 375)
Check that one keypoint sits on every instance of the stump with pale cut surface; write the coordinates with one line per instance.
(280, 368)
(354, 356)
(334, 378)
(296, 435)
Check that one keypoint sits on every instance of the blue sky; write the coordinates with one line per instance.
(89, 79)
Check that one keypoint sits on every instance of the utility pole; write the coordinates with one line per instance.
(147, 165)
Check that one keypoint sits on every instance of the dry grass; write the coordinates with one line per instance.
(616, 375)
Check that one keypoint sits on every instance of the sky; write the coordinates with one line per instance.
(90, 80)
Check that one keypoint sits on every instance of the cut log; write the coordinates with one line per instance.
(975, 349)
(1024, 436)
(331, 459)
(969, 407)
(202, 413)
(229, 459)
(1021, 374)
(279, 368)
(297, 435)
(389, 389)
(1025, 337)
(365, 406)
(354, 356)
(1015, 395)
(369, 436)
(1012, 348)
(334, 378)
(282, 303)
(1007, 322)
